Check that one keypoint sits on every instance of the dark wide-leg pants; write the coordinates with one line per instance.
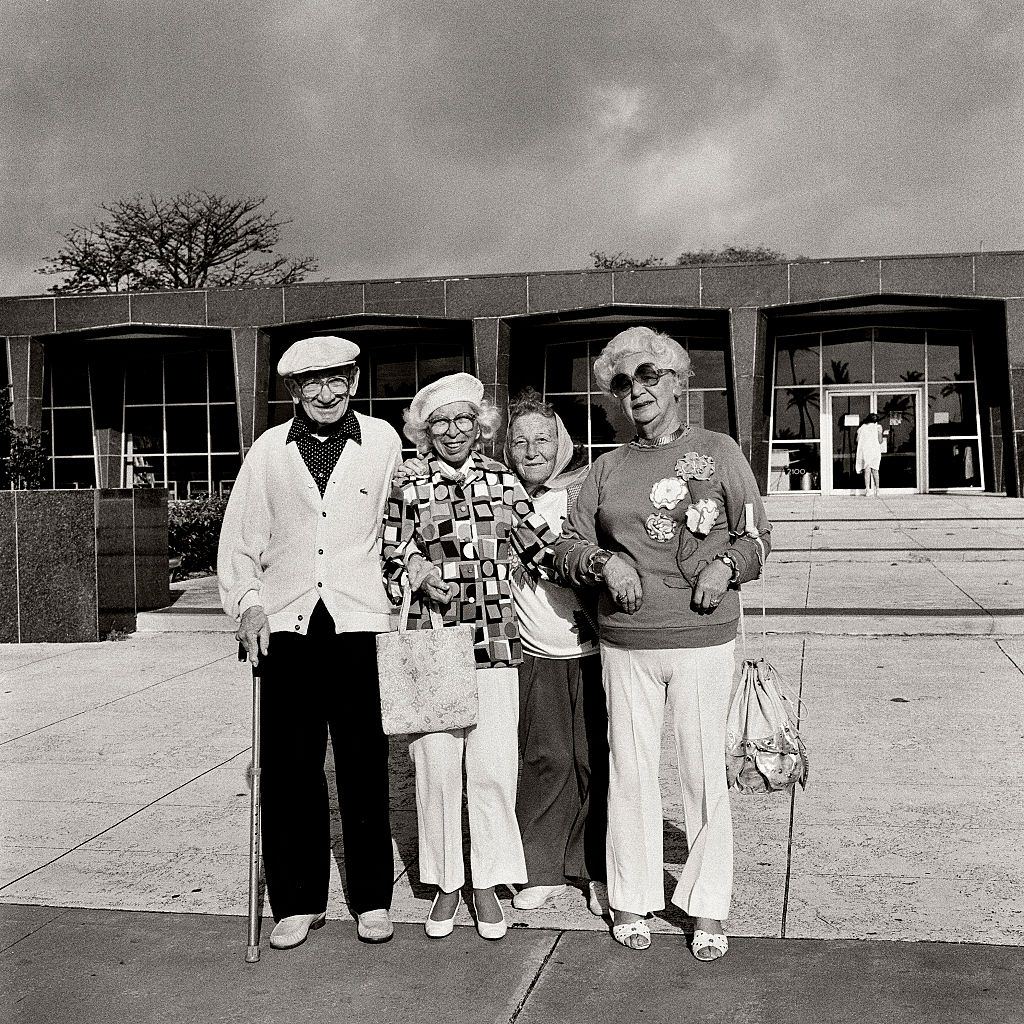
(311, 684)
(563, 788)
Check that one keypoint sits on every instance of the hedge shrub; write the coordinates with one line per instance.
(193, 531)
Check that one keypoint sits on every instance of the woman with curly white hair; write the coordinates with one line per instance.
(665, 523)
(450, 534)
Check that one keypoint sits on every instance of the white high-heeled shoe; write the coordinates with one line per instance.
(441, 929)
(490, 929)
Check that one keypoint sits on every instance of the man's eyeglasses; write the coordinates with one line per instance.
(440, 426)
(646, 374)
(337, 385)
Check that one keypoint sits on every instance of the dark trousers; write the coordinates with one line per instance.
(562, 803)
(311, 684)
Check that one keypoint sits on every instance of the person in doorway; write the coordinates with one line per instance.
(563, 785)
(450, 536)
(869, 452)
(663, 523)
(299, 565)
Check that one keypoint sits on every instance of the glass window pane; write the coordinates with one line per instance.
(186, 428)
(185, 376)
(145, 470)
(145, 428)
(797, 413)
(438, 360)
(223, 428)
(794, 468)
(710, 409)
(74, 473)
(953, 464)
(899, 355)
(185, 471)
(846, 356)
(280, 412)
(394, 371)
(72, 432)
(949, 355)
(567, 368)
(392, 412)
(222, 376)
(707, 360)
(608, 423)
(796, 359)
(951, 410)
(225, 469)
(69, 376)
(144, 381)
(574, 415)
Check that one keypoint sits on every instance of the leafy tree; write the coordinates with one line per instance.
(23, 457)
(623, 260)
(192, 240)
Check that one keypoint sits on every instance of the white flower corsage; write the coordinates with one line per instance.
(694, 466)
(668, 492)
(660, 527)
(701, 516)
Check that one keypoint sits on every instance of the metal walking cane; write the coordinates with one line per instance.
(252, 953)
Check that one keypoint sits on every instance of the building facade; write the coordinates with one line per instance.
(171, 388)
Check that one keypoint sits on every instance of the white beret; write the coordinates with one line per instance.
(456, 387)
(320, 353)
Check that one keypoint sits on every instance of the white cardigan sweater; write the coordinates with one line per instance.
(284, 547)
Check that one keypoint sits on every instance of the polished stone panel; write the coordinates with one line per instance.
(672, 286)
(115, 557)
(185, 308)
(486, 296)
(57, 565)
(570, 291)
(746, 285)
(26, 316)
(412, 298)
(929, 275)
(91, 311)
(831, 279)
(8, 570)
(244, 307)
(999, 273)
(485, 349)
(321, 301)
(152, 582)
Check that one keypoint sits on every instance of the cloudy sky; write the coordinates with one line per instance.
(414, 137)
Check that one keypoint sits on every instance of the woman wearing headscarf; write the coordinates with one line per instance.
(870, 436)
(450, 535)
(665, 523)
(562, 721)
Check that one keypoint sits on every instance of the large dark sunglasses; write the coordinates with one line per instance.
(646, 374)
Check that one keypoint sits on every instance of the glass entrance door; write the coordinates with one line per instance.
(901, 445)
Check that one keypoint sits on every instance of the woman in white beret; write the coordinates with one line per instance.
(664, 524)
(451, 535)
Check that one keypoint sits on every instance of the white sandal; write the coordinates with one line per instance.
(709, 940)
(623, 933)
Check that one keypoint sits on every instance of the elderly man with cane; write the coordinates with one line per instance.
(299, 566)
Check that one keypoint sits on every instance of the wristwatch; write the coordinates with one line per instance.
(597, 564)
(731, 562)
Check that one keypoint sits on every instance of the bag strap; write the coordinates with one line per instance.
(436, 621)
(750, 530)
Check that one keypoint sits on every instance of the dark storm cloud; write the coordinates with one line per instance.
(413, 138)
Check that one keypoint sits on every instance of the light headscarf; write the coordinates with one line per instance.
(559, 479)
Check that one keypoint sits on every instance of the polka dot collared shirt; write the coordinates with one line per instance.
(321, 457)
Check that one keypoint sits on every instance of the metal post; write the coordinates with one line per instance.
(252, 953)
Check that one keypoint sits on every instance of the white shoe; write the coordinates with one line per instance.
(490, 929)
(292, 931)
(533, 897)
(375, 926)
(597, 898)
(441, 929)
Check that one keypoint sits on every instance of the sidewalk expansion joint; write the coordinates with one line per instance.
(533, 982)
(60, 913)
(127, 817)
(1013, 661)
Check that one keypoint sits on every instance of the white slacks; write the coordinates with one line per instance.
(696, 683)
(490, 750)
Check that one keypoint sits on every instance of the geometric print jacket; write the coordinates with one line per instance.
(475, 531)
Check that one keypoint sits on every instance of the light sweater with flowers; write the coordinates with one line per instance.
(668, 511)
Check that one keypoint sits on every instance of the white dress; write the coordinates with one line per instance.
(869, 446)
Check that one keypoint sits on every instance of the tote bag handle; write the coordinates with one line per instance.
(436, 621)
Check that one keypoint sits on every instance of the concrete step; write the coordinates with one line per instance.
(184, 620)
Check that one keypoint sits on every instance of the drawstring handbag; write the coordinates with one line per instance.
(763, 749)
(427, 676)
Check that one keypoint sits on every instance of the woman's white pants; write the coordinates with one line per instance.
(696, 683)
(490, 751)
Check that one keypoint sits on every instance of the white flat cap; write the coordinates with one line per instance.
(456, 387)
(320, 353)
